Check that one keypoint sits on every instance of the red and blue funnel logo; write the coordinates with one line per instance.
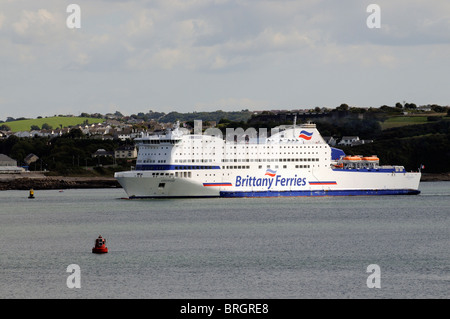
(270, 172)
(305, 135)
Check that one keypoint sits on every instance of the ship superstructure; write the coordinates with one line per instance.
(295, 161)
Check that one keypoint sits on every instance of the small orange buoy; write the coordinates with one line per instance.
(31, 194)
(100, 247)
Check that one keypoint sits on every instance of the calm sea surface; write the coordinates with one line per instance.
(225, 248)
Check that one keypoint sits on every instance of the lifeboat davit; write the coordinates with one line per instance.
(100, 246)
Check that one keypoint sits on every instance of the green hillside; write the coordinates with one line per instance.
(54, 122)
(398, 121)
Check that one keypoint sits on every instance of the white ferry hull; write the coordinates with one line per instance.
(334, 183)
(341, 183)
(149, 187)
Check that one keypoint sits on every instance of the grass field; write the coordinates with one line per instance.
(397, 121)
(54, 122)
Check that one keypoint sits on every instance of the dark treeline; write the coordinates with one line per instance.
(172, 117)
(68, 154)
(412, 146)
(336, 124)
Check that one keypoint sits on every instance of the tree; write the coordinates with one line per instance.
(35, 127)
(46, 126)
(342, 107)
(74, 133)
(4, 127)
(437, 108)
(410, 106)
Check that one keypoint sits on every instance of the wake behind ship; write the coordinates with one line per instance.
(295, 161)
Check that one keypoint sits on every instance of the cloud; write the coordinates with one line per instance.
(221, 52)
(2, 20)
(38, 27)
(217, 35)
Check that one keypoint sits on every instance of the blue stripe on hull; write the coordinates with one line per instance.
(321, 193)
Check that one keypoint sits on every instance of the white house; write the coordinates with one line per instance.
(348, 140)
(126, 151)
(9, 165)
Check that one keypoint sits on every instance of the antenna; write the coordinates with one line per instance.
(293, 126)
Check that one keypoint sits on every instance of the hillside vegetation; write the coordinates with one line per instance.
(412, 139)
(412, 146)
(53, 122)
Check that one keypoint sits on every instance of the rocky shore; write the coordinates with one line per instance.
(428, 177)
(26, 181)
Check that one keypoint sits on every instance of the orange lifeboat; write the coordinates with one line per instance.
(100, 247)
(352, 158)
(372, 158)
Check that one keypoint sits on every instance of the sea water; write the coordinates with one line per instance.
(300, 247)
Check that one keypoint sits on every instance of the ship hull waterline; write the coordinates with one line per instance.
(141, 188)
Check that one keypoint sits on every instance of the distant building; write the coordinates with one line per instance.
(424, 108)
(7, 161)
(348, 140)
(102, 153)
(126, 151)
(353, 141)
(30, 158)
(9, 165)
(330, 140)
(360, 142)
(129, 133)
(23, 134)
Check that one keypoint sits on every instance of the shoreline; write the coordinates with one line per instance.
(432, 177)
(38, 181)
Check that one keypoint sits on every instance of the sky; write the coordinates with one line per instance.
(208, 55)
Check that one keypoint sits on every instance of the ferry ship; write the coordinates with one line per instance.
(293, 161)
